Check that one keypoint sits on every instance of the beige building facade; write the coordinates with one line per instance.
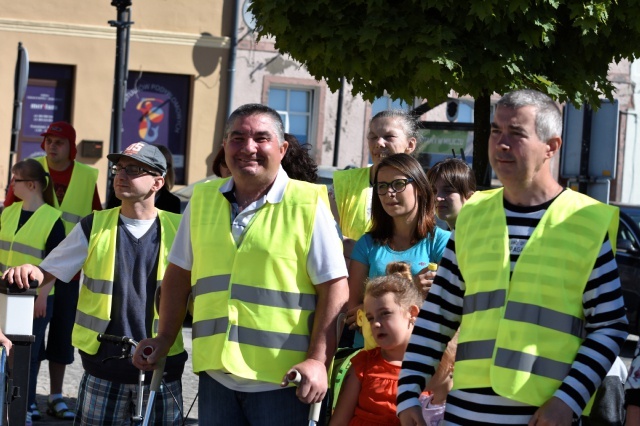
(178, 62)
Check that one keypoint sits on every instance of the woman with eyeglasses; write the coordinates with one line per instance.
(29, 230)
(403, 228)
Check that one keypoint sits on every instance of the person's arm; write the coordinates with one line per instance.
(56, 236)
(444, 303)
(176, 287)
(347, 400)
(358, 273)
(633, 415)
(606, 327)
(332, 297)
(40, 304)
(632, 390)
(4, 341)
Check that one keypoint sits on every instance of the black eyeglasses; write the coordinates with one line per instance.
(132, 170)
(397, 185)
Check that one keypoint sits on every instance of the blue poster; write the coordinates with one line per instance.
(156, 112)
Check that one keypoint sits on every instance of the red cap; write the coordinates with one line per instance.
(62, 129)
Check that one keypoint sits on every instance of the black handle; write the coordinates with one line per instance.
(8, 288)
(118, 340)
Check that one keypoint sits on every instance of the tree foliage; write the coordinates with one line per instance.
(427, 48)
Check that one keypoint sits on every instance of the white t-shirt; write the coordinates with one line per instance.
(69, 256)
(324, 263)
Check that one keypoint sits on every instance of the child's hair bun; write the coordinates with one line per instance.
(401, 268)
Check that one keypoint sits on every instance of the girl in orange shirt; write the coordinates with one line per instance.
(368, 395)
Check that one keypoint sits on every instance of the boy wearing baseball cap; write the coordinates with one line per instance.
(123, 253)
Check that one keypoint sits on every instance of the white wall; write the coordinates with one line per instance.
(630, 193)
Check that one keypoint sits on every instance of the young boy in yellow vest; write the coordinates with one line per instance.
(123, 253)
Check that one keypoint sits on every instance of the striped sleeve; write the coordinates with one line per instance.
(436, 324)
(606, 328)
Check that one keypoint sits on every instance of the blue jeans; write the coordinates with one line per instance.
(223, 406)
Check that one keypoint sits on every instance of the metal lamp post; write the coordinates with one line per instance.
(122, 25)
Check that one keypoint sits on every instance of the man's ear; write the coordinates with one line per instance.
(283, 148)
(553, 146)
(158, 183)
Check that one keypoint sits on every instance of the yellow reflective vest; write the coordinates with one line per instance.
(253, 304)
(94, 302)
(29, 243)
(520, 336)
(351, 189)
(78, 199)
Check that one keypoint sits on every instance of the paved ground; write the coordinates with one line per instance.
(74, 374)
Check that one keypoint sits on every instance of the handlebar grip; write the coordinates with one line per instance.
(14, 289)
(116, 339)
(314, 412)
(156, 379)
(294, 377)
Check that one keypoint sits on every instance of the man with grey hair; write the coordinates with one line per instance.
(262, 257)
(530, 280)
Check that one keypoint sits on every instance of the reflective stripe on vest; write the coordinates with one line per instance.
(280, 299)
(98, 286)
(211, 284)
(71, 218)
(351, 193)
(94, 303)
(544, 317)
(253, 304)
(23, 249)
(517, 341)
(537, 365)
(484, 301)
(78, 199)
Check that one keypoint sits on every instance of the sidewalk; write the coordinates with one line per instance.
(74, 374)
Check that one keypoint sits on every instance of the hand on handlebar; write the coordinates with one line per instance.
(150, 353)
(24, 276)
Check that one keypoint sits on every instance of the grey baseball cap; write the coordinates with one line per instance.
(144, 153)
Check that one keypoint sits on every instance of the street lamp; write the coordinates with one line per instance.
(122, 24)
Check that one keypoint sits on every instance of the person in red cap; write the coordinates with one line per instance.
(76, 195)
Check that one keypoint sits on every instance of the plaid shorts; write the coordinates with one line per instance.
(102, 402)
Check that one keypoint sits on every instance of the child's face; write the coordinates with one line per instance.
(398, 204)
(20, 186)
(448, 202)
(391, 325)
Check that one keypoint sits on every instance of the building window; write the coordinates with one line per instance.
(295, 108)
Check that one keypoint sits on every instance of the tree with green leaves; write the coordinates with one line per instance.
(427, 48)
